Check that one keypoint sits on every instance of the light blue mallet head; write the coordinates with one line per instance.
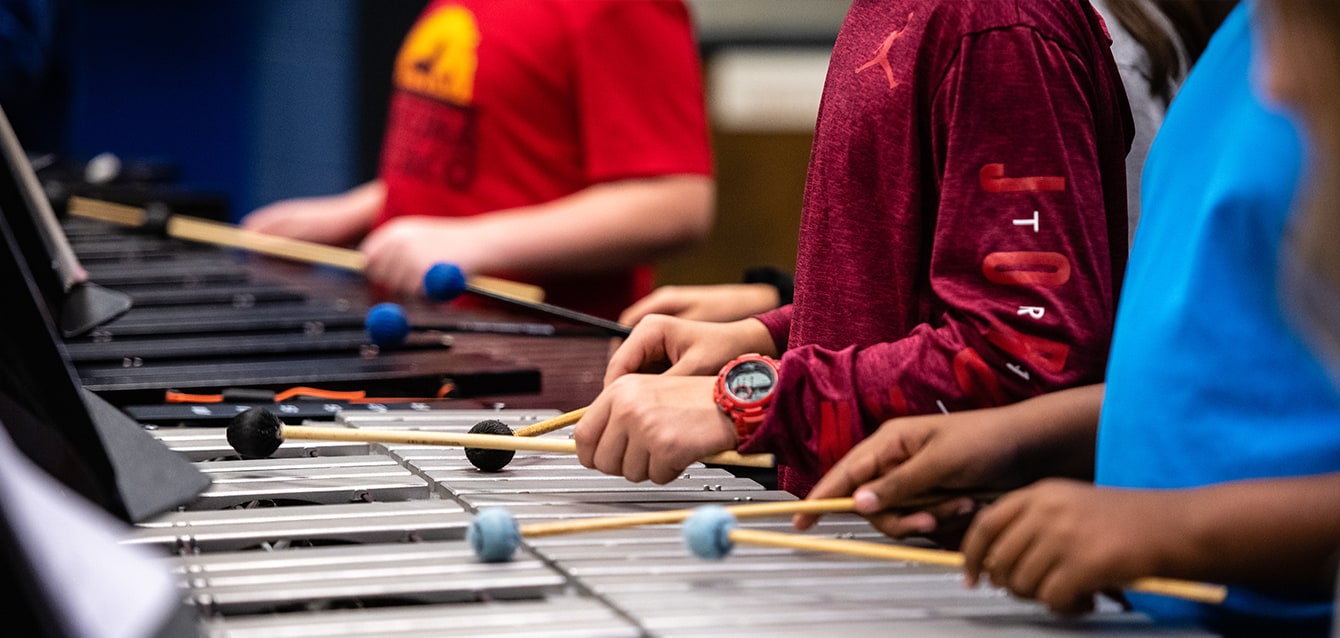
(707, 532)
(494, 535)
(387, 325)
(444, 282)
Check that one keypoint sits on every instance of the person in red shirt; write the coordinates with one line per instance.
(962, 243)
(559, 142)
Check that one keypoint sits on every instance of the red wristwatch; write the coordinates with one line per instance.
(744, 390)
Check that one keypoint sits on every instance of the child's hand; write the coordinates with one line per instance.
(680, 347)
(913, 457)
(1061, 541)
(652, 427)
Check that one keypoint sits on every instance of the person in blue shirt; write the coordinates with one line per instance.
(1212, 452)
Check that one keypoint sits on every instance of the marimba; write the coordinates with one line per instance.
(330, 539)
(336, 539)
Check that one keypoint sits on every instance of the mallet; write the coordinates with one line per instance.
(388, 326)
(712, 531)
(159, 219)
(444, 282)
(257, 433)
(495, 535)
(492, 459)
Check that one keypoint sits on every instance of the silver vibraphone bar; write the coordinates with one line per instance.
(339, 539)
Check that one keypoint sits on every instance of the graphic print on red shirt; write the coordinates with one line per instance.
(502, 104)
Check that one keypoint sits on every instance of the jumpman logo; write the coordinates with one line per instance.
(881, 58)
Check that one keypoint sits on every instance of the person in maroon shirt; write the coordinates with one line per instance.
(961, 246)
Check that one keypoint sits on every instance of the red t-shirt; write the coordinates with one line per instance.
(506, 103)
(964, 225)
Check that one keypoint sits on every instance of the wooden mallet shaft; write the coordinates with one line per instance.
(482, 441)
(220, 234)
(671, 517)
(549, 425)
(1200, 592)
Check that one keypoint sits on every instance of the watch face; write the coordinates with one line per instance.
(750, 381)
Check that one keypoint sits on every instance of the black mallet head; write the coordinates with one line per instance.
(255, 434)
(488, 460)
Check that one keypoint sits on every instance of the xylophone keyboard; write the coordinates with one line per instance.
(339, 539)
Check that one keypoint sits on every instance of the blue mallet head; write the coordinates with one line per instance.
(494, 535)
(444, 282)
(707, 532)
(387, 325)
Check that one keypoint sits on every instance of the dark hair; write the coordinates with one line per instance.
(1194, 22)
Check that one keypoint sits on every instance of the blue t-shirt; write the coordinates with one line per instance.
(1206, 382)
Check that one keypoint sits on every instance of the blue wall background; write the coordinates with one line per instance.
(256, 99)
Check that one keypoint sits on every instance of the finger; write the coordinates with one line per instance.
(943, 519)
(641, 308)
(658, 302)
(372, 262)
(802, 522)
(1065, 594)
(371, 246)
(589, 429)
(664, 469)
(841, 480)
(1077, 606)
(608, 455)
(896, 525)
(859, 465)
(982, 534)
(1012, 546)
(404, 274)
(636, 460)
(952, 508)
(401, 275)
(1036, 563)
(645, 344)
(898, 477)
(610, 452)
(684, 367)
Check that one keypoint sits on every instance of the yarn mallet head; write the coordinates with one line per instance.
(485, 459)
(707, 532)
(494, 535)
(444, 282)
(387, 325)
(255, 433)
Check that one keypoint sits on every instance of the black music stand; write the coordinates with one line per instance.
(68, 431)
(79, 304)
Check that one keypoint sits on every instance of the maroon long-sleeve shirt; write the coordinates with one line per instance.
(964, 225)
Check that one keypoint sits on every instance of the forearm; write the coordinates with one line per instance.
(340, 219)
(355, 211)
(1055, 434)
(1270, 532)
(367, 198)
(604, 226)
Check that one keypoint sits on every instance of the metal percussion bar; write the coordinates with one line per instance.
(483, 441)
(242, 582)
(186, 273)
(298, 569)
(557, 616)
(362, 523)
(204, 444)
(310, 480)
